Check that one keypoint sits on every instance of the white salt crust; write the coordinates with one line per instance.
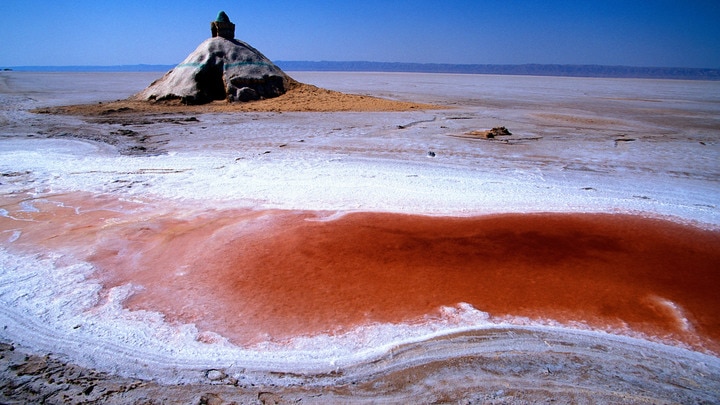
(343, 162)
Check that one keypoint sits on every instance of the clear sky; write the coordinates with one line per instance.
(670, 33)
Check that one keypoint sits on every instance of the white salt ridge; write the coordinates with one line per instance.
(351, 184)
(675, 311)
(14, 236)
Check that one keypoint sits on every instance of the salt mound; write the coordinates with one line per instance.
(221, 68)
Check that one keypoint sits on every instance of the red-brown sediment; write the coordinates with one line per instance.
(258, 275)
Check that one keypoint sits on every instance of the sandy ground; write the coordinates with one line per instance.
(129, 233)
(299, 97)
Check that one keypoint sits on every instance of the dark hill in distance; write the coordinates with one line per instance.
(360, 66)
(527, 69)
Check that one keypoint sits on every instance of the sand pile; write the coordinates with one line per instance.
(299, 97)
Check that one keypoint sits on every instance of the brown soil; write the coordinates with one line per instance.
(300, 97)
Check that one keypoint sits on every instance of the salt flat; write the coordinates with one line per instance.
(71, 184)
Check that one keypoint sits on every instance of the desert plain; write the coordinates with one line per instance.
(378, 247)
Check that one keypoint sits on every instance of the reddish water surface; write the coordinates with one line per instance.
(291, 276)
(258, 275)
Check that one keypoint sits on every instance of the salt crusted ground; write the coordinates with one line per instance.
(81, 196)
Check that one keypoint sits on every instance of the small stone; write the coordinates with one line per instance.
(215, 375)
(246, 94)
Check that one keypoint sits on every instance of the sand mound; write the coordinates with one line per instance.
(299, 97)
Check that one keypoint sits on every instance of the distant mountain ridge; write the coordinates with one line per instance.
(363, 66)
(526, 69)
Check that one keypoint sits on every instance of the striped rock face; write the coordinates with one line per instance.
(219, 69)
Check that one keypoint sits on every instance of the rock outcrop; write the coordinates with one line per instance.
(222, 27)
(221, 68)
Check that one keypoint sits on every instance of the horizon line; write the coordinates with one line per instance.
(532, 69)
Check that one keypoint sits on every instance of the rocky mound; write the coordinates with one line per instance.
(221, 68)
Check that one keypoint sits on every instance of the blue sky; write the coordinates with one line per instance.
(672, 33)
